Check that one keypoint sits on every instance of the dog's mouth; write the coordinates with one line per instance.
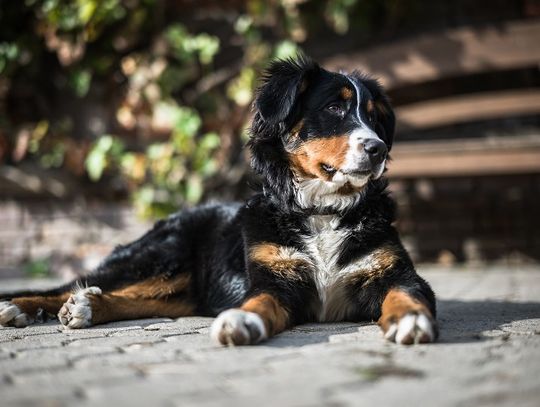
(357, 178)
(359, 173)
(340, 191)
(346, 183)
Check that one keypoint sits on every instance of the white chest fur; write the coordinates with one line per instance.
(324, 246)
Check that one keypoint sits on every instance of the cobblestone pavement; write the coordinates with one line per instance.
(488, 354)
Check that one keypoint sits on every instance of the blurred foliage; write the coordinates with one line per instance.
(135, 93)
(37, 268)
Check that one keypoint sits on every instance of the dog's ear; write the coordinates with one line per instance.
(386, 120)
(282, 83)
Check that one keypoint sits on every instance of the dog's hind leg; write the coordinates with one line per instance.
(151, 276)
(154, 297)
(27, 309)
(78, 306)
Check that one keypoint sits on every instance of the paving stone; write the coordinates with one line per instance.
(488, 354)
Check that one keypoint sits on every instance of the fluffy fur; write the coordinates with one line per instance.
(316, 244)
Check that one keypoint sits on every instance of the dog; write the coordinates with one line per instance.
(316, 244)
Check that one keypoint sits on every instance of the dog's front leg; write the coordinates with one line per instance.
(279, 297)
(257, 319)
(406, 319)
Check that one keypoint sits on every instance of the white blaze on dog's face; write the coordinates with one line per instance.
(339, 141)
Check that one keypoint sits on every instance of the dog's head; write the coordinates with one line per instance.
(318, 136)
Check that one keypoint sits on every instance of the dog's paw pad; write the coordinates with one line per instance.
(237, 327)
(412, 328)
(12, 315)
(77, 310)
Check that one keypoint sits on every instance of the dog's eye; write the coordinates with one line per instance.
(328, 168)
(336, 109)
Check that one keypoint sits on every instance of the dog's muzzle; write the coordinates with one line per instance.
(366, 156)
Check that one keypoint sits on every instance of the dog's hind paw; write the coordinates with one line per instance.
(12, 315)
(77, 310)
(412, 328)
(237, 327)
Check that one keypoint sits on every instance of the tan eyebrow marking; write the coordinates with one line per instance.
(370, 106)
(346, 93)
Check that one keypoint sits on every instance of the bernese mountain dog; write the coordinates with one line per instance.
(315, 244)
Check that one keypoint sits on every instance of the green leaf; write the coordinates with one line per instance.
(194, 189)
(97, 159)
(209, 142)
(80, 82)
(285, 49)
(145, 195)
(243, 24)
(86, 10)
(54, 158)
(8, 52)
(187, 122)
(95, 164)
(37, 268)
(209, 167)
(208, 47)
(241, 88)
(337, 11)
(185, 46)
(156, 151)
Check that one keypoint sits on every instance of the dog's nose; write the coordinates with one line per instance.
(376, 150)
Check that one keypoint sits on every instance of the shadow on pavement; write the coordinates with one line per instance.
(459, 322)
(468, 321)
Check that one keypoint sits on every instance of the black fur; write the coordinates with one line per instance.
(211, 243)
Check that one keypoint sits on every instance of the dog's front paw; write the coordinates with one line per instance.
(413, 327)
(237, 327)
(12, 315)
(77, 310)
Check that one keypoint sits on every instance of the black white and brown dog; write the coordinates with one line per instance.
(316, 244)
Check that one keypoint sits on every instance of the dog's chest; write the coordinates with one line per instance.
(324, 246)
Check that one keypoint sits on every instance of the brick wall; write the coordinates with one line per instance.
(70, 238)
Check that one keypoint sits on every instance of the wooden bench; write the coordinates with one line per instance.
(468, 108)
(466, 157)
(449, 53)
(454, 78)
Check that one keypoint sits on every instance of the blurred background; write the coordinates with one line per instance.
(116, 112)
